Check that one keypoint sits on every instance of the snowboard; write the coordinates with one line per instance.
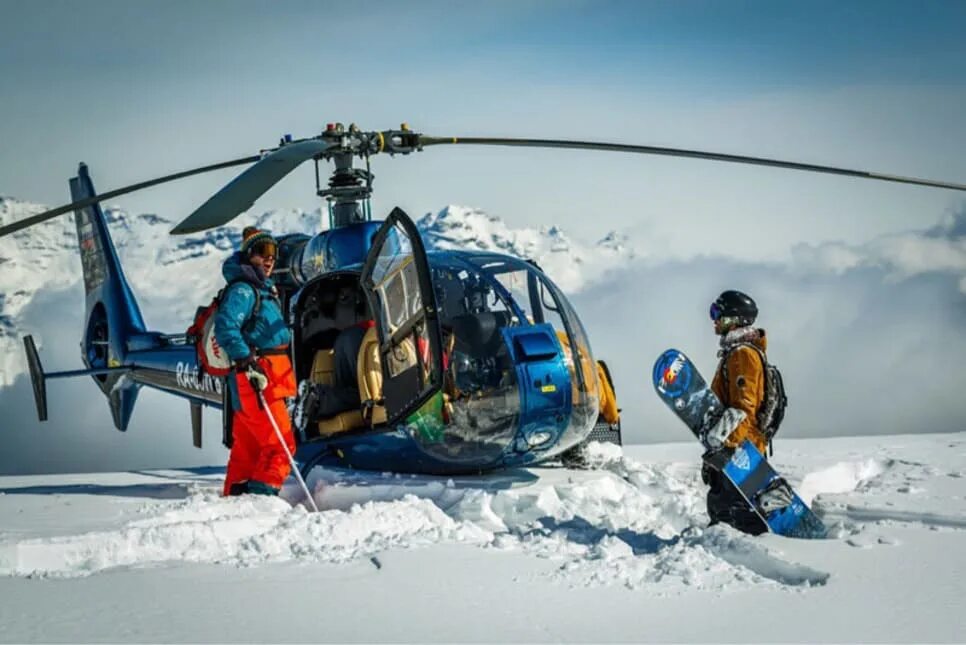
(682, 388)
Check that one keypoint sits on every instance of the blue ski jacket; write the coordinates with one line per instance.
(233, 330)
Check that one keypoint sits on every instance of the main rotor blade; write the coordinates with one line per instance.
(239, 195)
(46, 215)
(678, 152)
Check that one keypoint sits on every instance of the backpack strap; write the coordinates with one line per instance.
(250, 321)
(724, 363)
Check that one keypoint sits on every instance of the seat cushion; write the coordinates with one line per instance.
(369, 373)
(342, 422)
(323, 373)
(369, 367)
(323, 367)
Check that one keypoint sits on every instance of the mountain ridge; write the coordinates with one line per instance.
(162, 268)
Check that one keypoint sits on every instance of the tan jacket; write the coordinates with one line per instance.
(745, 388)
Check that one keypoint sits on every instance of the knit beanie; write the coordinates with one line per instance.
(252, 236)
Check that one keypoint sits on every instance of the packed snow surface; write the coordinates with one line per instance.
(618, 552)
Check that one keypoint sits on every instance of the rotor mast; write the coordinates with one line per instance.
(350, 189)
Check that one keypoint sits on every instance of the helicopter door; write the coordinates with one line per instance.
(396, 280)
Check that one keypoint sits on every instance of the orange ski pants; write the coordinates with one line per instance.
(256, 454)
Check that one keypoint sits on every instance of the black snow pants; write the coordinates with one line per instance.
(725, 504)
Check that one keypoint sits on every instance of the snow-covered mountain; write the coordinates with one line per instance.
(572, 264)
(172, 275)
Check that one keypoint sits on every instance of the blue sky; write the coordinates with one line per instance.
(742, 43)
(746, 44)
(139, 89)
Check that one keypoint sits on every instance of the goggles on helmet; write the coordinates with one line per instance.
(267, 249)
(716, 311)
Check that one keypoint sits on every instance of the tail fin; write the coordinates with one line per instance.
(112, 316)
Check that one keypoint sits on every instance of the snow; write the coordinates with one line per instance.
(573, 264)
(618, 552)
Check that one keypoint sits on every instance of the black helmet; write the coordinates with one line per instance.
(735, 304)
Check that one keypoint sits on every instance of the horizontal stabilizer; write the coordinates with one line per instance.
(122, 398)
(37, 378)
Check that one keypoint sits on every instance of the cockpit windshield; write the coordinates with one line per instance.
(464, 360)
(478, 297)
(540, 301)
(480, 399)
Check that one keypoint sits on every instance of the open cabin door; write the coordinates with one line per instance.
(397, 282)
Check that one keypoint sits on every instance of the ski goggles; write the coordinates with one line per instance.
(716, 312)
(267, 249)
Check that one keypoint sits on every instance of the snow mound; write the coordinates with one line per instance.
(843, 477)
(624, 523)
(716, 559)
(207, 528)
(907, 491)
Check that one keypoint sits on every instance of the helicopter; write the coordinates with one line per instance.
(476, 361)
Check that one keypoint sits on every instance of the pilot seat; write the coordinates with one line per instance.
(372, 411)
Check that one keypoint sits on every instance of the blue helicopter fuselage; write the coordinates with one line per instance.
(513, 391)
(501, 372)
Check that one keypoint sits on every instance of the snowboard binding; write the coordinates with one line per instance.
(775, 496)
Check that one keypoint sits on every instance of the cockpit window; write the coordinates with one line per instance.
(396, 285)
(399, 296)
(542, 302)
(583, 372)
(395, 250)
(480, 403)
(394, 279)
(516, 283)
(477, 298)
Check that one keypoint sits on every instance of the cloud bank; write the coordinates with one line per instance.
(869, 336)
(940, 249)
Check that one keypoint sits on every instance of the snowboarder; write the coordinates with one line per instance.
(250, 327)
(739, 383)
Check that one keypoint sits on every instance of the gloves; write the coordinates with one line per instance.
(718, 434)
(256, 375)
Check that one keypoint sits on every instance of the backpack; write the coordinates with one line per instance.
(771, 411)
(212, 358)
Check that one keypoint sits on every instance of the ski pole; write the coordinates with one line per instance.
(288, 453)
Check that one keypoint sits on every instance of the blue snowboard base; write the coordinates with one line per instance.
(751, 474)
(682, 388)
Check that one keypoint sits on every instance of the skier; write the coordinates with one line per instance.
(250, 327)
(739, 383)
